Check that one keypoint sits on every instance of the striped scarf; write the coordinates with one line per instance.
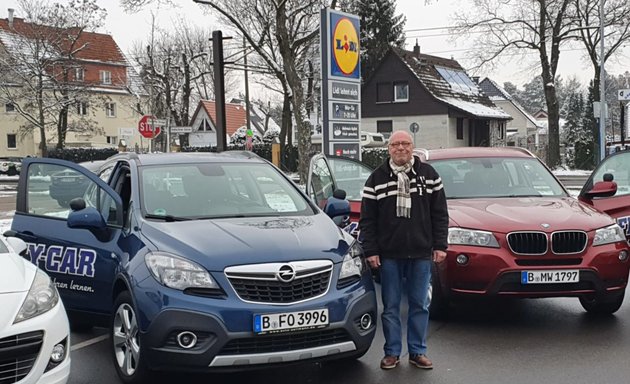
(403, 197)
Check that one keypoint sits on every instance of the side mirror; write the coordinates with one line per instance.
(602, 189)
(18, 245)
(338, 208)
(87, 218)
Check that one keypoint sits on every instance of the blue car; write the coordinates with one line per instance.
(199, 262)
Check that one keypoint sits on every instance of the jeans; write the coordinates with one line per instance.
(418, 278)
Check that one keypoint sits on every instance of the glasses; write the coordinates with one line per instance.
(404, 144)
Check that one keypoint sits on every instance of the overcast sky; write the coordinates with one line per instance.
(423, 23)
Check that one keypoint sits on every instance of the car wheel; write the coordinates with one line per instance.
(63, 203)
(439, 302)
(126, 347)
(602, 304)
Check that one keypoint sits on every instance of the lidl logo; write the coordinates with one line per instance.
(345, 48)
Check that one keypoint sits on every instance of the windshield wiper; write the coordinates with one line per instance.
(167, 218)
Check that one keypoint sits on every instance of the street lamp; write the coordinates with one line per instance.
(602, 88)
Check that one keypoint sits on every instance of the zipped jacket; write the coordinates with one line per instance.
(389, 236)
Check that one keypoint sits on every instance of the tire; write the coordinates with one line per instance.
(439, 301)
(602, 304)
(125, 342)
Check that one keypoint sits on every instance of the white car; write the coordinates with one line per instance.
(34, 330)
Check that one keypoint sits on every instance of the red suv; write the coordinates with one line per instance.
(515, 231)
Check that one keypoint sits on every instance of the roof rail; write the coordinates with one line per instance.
(423, 151)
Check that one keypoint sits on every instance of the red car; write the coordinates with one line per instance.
(515, 231)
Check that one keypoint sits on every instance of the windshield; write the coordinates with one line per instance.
(496, 177)
(209, 190)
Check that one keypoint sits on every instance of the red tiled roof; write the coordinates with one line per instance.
(235, 115)
(98, 46)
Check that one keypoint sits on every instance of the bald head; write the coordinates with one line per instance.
(400, 147)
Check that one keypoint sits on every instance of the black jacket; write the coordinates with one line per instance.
(389, 236)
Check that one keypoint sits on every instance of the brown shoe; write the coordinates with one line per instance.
(389, 362)
(420, 361)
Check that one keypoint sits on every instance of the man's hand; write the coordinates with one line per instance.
(374, 261)
(439, 256)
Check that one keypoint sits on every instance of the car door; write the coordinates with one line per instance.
(81, 261)
(350, 175)
(618, 205)
(320, 183)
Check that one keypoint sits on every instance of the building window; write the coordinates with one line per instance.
(106, 77)
(9, 108)
(204, 126)
(401, 92)
(11, 141)
(384, 93)
(82, 108)
(112, 140)
(79, 74)
(110, 109)
(460, 128)
(502, 130)
(385, 127)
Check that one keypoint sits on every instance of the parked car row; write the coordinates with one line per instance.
(10, 166)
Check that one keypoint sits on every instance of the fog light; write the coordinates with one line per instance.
(187, 340)
(462, 259)
(58, 353)
(366, 321)
(623, 255)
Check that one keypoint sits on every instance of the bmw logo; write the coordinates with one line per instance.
(545, 225)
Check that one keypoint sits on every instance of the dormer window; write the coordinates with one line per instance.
(79, 74)
(106, 77)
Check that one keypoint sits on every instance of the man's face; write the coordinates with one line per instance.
(400, 148)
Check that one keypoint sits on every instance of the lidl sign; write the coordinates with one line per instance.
(344, 46)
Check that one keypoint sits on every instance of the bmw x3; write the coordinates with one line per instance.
(199, 262)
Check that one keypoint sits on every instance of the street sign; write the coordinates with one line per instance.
(414, 127)
(148, 128)
(125, 133)
(623, 94)
(181, 129)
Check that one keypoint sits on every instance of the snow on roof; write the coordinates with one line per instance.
(476, 109)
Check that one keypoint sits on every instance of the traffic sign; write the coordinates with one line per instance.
(623, 94)
(148, 127)
(182, 129)
(414, 127)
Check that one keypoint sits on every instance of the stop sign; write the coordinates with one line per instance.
(146, 128)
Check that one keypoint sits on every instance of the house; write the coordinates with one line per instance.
(104, 95)
(203, 122)
(435, 93)
(522, 129)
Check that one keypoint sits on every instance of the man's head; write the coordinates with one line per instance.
(400, 147)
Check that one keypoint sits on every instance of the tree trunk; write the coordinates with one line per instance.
(43, 149)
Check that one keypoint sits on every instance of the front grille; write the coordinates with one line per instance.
(281, 283)
(528, 243)
(285, 342)
(273, 291)
(547, 262)
(568, 242)
(18, 354)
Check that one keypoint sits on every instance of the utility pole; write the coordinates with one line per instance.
(247, 105)
(219, 89)
(602, 88)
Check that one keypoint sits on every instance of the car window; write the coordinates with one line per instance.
(496, 177)
(3, 247)
(210, 190)
(350, 176)
(322, 185)
(618, 166)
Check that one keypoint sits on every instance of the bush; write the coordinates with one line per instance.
(79, 155)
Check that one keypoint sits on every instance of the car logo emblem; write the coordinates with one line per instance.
(285, 274)
(545, 225)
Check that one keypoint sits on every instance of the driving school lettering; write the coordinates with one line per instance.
(64, 260)
(624, 223)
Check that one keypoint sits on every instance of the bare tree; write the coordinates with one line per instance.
(38, 53)
(514, 27)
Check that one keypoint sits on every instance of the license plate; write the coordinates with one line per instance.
(550, 277)
(290, 321)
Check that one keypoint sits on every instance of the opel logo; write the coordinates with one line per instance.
(545, 225)
(285, 274)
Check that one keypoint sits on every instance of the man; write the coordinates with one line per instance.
(404, 227)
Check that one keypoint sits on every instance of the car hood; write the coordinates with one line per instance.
(512, 214)
(16, 274)
(219, 243)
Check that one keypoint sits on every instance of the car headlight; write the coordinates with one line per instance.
(464, 236)
(178, 273)
(610, 234)
(352, 264)
(41, 298)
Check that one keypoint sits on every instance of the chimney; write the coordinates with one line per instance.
(10, 18)
(416, 49)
